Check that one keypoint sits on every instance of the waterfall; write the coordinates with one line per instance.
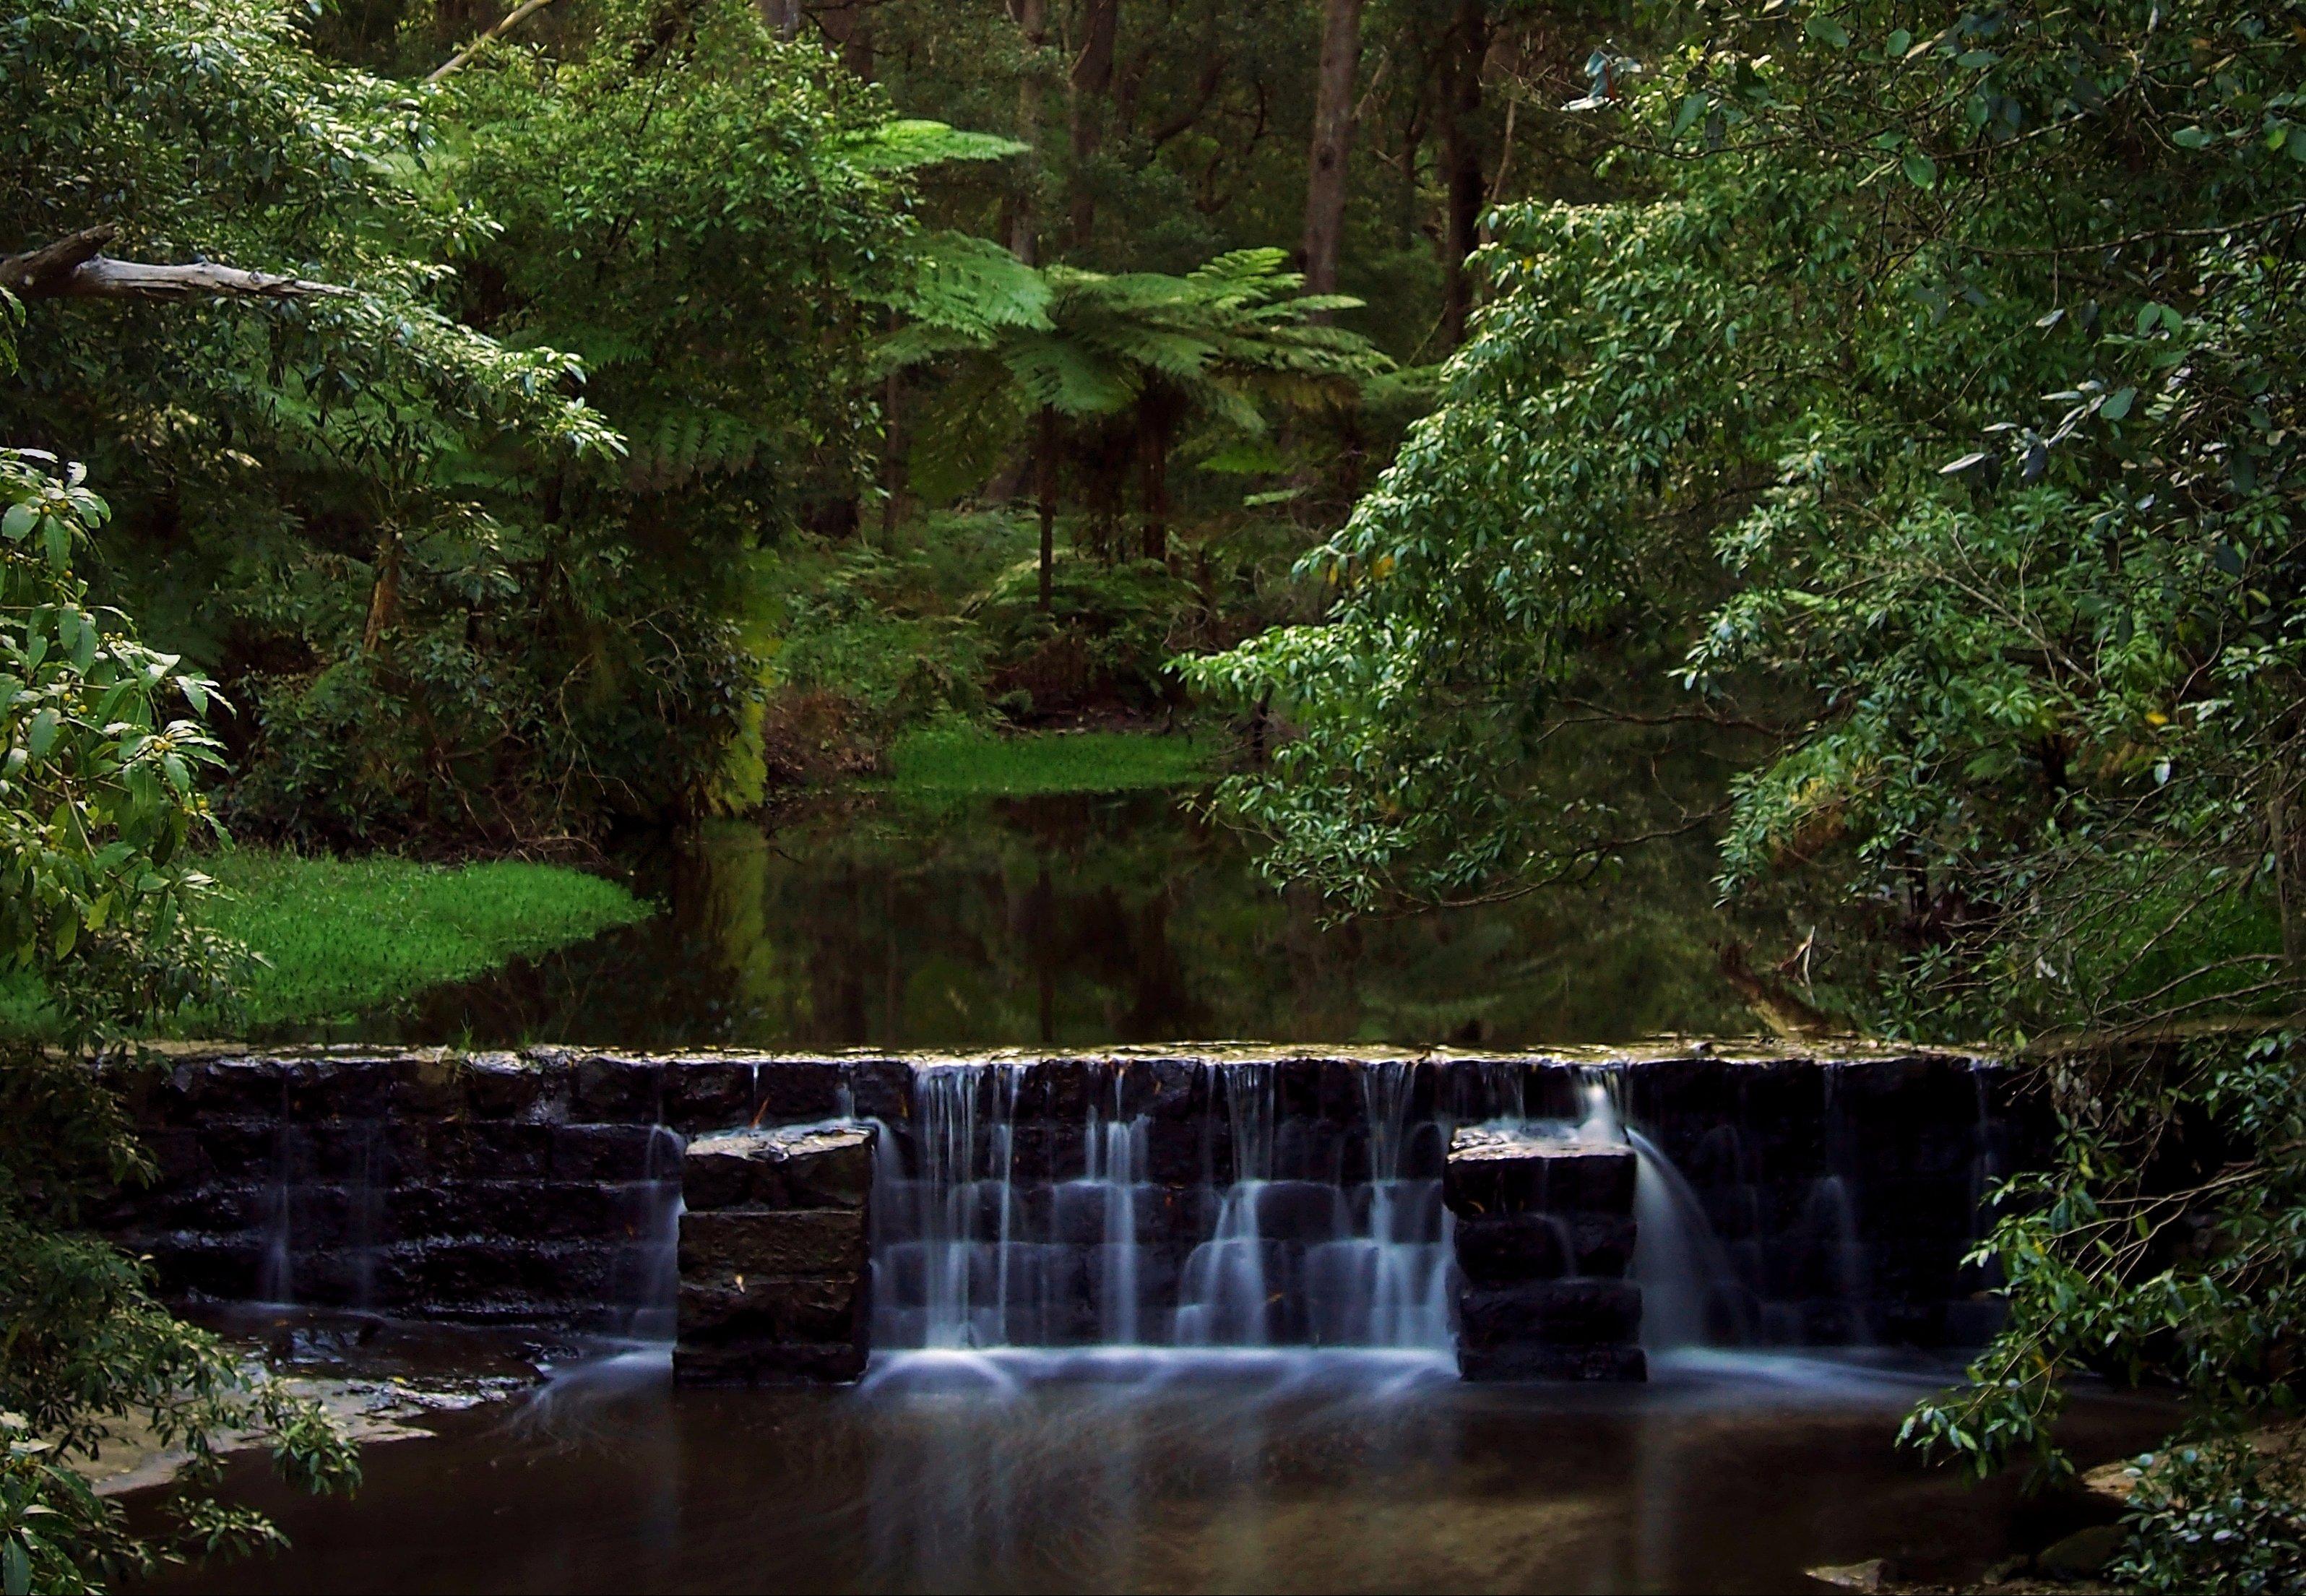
(645, 1272)
(1227, 1297)
(1018, 1207)
(364, 1203)
(1691, 1295)
(275, 1272)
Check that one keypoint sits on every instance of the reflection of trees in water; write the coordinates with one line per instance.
(1078, 920)
(1082, 920)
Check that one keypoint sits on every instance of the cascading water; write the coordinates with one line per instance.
(1228, 1292)
(275, 1280)
(644, 1273)
(1691, 1295)
(1001, 1222)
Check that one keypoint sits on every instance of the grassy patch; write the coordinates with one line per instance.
(946, 763)
(343, 936)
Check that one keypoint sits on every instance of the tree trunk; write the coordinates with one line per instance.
(781, 17)
(893, 456)
(2283, 842)
(384, 597)
(1024, 215)
(1333, 138)
(1091, 84)
(1153, 440)
(1462, 187)
(848, 29)
(1046, 461)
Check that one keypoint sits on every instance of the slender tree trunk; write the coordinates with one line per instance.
(1024, 217)
(384, 597)
(1333, 138)
(893, 456)
(1462, 186)
(1046, 462)
(1153, 440)
(781, 17)
(1091, 85)
(2282, 828)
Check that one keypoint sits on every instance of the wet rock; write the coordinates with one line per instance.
(1519, 1246)
(605, 1088)
(1492, 1172)
(771, 1309)
(802, 1167)
(771, 1242)
(504, 1085)
(1553, 1312)
(2082, 1554)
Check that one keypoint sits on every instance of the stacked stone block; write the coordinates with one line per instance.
(775, 1283)
(1544, 1232)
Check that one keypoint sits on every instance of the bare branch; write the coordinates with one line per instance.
(511, 19)
(74, 267)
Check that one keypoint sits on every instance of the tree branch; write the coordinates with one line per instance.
(74, 267)
(511, 19)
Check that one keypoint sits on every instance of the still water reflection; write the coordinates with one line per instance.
(1076, 921)
(1241, 1472)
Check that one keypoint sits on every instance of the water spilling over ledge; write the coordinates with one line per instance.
(1170, 1199)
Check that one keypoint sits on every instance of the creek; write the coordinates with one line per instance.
(1225, 1362)
(1074, 921)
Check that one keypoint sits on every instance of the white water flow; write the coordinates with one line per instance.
(276, 1275)
(645, 1272)
(1691, 1294)
(1228, 1293)
(1022, 1208)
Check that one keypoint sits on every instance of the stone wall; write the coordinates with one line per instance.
(541, 1185)
(775, 1283)
(1545, 1235)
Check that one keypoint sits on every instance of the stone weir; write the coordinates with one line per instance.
(1548, 1215)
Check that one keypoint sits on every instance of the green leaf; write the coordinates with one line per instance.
(1693, 107)
(2191, 138)
(1921, 171)
(17, 523)
(43, 734)
(2117, 404)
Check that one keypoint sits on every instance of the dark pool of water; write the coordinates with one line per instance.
(1305, 1472)
(1078, 921)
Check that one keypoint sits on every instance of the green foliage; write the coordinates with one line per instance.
(1211, 344)
(2209, 1516)
(941, 764)
(102, 740)
(1929, 412)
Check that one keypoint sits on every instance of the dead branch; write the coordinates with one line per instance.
(74, 267)
(511, 19)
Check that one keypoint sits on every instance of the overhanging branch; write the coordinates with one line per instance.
(74, 267)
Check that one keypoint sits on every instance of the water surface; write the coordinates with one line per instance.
(1119, 1471)
(1075, 921)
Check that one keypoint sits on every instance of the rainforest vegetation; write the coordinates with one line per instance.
(1500, 434)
